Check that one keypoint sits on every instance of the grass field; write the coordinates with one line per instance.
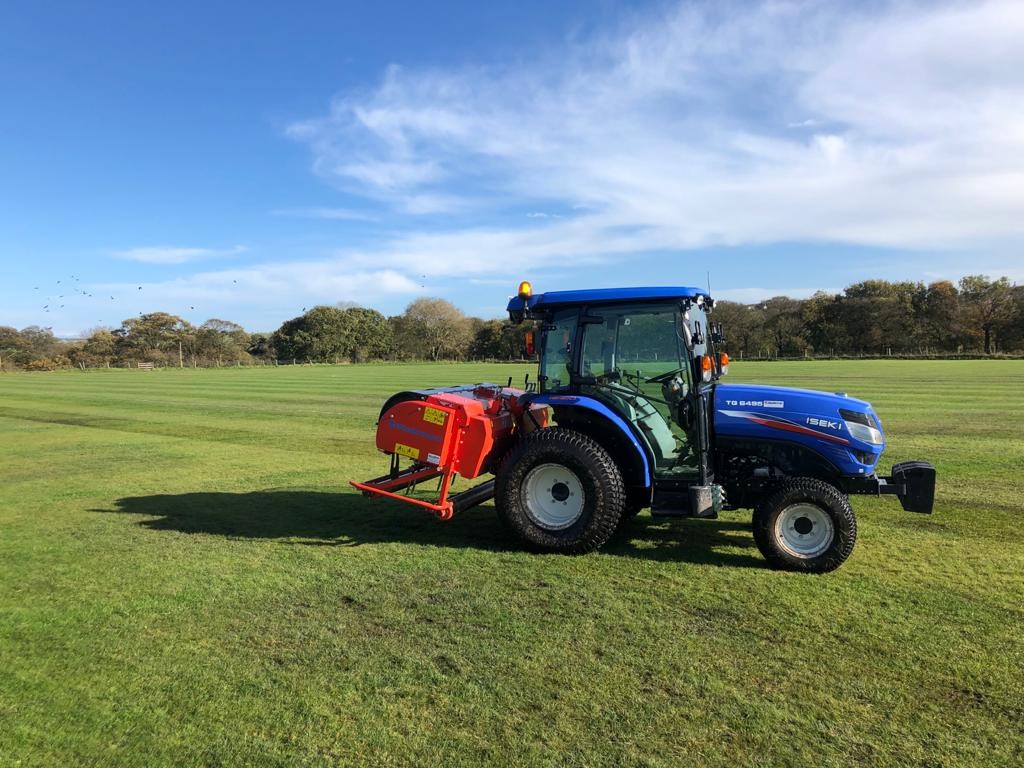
(186, 578)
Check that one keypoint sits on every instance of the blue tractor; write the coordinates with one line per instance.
(632, 380)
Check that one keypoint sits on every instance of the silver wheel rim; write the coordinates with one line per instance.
(804, 530)
(553, 496)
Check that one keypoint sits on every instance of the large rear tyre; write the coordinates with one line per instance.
(559, 491)
(805, 525)
(632, 508)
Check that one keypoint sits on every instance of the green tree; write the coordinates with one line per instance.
(939, 316)
(879, 316)
(14, 350)
(1014, 334)
(824, 321)
(260, 346)
(488, 340)
(321, 335)
(987, 306)
(371, 336)
(784, 323)
(154, 335)
(221, 340)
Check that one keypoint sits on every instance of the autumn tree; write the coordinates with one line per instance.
(433, 328)
(98, 349)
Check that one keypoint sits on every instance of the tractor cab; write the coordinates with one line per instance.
(637, 358)
(633, 368)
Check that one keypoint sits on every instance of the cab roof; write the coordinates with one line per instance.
(553, 299)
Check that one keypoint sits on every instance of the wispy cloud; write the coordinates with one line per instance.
(335, 214)
(676, 131)
(313, 281)
(164, 254)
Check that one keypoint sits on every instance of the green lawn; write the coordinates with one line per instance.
(186, 578)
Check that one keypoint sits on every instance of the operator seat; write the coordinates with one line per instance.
(641, 411)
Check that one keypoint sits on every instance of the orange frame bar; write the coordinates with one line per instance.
(443, 508)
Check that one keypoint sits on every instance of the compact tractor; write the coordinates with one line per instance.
(629, 412)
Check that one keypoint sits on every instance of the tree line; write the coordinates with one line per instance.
(875, 317)
(429, 329)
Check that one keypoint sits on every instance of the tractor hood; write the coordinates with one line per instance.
(842, 429)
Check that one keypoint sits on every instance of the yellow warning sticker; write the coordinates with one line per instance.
(434, 416)
(407, 450)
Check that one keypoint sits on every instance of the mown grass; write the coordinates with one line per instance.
(186, 578)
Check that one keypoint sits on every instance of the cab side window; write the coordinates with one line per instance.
(557, 351)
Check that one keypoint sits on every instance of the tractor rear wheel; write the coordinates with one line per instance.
(805, 525)
(633, 507)
(558, 490)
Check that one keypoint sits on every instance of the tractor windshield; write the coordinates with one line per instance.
(633, 341)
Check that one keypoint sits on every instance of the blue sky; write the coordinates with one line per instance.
(245, 161)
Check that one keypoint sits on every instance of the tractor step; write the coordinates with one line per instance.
(694, 501)
(669, 512)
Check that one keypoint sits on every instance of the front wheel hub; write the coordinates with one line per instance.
(553, 496)
(804, 530)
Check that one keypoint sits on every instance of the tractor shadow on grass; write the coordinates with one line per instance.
(317, 518)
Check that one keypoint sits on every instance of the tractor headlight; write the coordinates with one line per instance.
(864, 433)
(862, 426)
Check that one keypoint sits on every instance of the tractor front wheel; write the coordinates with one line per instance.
(559, 491)
(805, 525)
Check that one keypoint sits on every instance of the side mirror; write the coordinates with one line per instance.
(717, 337)
(528, 345)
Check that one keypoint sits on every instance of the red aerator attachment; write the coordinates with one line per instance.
(444, 434)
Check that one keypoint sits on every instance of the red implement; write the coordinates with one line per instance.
(444, 434)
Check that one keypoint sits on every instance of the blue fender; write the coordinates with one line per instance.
(581, 401)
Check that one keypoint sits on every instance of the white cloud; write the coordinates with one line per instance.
(677, 132)
(164, 254)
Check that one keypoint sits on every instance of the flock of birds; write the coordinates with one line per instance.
(74, 290)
